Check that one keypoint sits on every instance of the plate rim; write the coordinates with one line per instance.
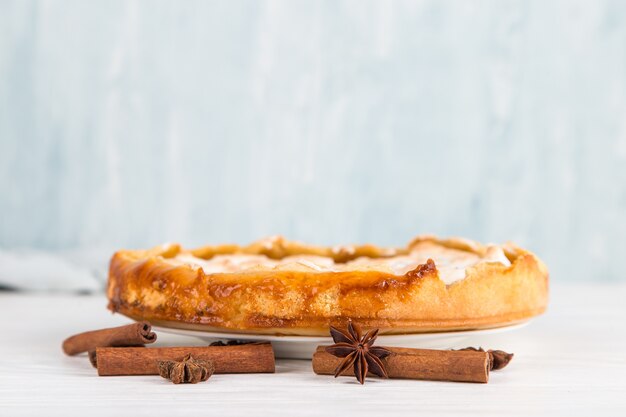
(207, 334)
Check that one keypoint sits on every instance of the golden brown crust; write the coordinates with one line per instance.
(144, 285)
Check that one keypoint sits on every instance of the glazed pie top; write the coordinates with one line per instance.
(451, 262)
(276, 286)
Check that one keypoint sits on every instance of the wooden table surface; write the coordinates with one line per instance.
(571, 361)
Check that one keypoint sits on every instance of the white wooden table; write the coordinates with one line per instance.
(572, 361)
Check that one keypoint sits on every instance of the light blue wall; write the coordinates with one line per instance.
(128, 123)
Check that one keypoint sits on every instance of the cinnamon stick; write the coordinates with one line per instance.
(435, 365)
(247, 358)
(135, 334)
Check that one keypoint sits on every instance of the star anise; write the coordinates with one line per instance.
(231, 342)
(358, 351)
(498, 359)
(189, 370)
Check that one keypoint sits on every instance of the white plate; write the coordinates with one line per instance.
(303, 347)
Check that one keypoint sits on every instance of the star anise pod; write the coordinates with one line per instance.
(358, 351)
(231, 342)
(189, 370)
(498, 359)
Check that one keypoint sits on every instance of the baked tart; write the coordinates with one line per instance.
(276, 286)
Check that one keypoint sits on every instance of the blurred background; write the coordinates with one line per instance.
(125, 124)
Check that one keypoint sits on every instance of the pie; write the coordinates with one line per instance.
(276, 286)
